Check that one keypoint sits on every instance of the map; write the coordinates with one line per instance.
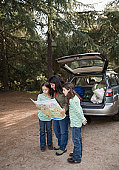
(51, 108)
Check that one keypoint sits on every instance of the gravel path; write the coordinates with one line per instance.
(19, 139)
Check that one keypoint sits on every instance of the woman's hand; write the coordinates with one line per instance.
(63, 111)
(85, 122)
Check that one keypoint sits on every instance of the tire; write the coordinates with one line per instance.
(116, 117)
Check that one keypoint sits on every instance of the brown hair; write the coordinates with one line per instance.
(72, 92)
(58, 84)
(46, 84)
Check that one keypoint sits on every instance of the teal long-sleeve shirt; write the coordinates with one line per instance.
(75, 112)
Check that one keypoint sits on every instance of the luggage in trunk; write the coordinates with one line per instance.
(86, 94)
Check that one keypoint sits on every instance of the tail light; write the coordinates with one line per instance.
(109, 92)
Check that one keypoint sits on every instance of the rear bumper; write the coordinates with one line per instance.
(108, 110)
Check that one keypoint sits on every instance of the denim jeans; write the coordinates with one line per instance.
(45, 125)
(60, 128)
(77, 140)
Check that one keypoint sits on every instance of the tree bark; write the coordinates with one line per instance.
(4, 65)
(50, 65)
(50, 69)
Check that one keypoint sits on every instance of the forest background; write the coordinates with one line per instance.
(33, 34)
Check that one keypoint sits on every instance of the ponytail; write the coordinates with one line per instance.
(72, 92)
(77, 94)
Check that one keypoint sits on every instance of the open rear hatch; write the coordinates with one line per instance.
(86, 63)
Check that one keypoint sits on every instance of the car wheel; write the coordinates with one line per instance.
(116, 117)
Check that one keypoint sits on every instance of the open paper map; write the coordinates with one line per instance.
(51, 108)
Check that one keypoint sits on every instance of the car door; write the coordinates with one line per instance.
(115, 88)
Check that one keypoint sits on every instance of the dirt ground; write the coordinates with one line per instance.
(19, 139)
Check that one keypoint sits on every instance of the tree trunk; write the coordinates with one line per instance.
(50, 68)
(4, 66)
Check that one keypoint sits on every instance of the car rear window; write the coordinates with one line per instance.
(85, 63)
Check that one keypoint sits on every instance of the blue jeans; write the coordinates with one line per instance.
(48, 126)
(77, 140)
(60, 128)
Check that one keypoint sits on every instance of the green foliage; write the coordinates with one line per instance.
(25, 51)
(71, 31)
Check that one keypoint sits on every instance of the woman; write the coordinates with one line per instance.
(60, 127)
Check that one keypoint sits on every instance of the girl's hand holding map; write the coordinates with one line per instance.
(63, 111)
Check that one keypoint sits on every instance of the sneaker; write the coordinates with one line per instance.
(71, 154)
(70, 160)
(43, 148)
(56, 148)
(60, 152)
(50, 147)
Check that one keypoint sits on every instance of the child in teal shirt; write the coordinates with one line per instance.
(45, 122)
(76, 120)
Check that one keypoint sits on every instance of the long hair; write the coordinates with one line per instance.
(71, 93)
(46, 84)
(58, 83)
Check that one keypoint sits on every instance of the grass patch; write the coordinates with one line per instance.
(33, 92)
